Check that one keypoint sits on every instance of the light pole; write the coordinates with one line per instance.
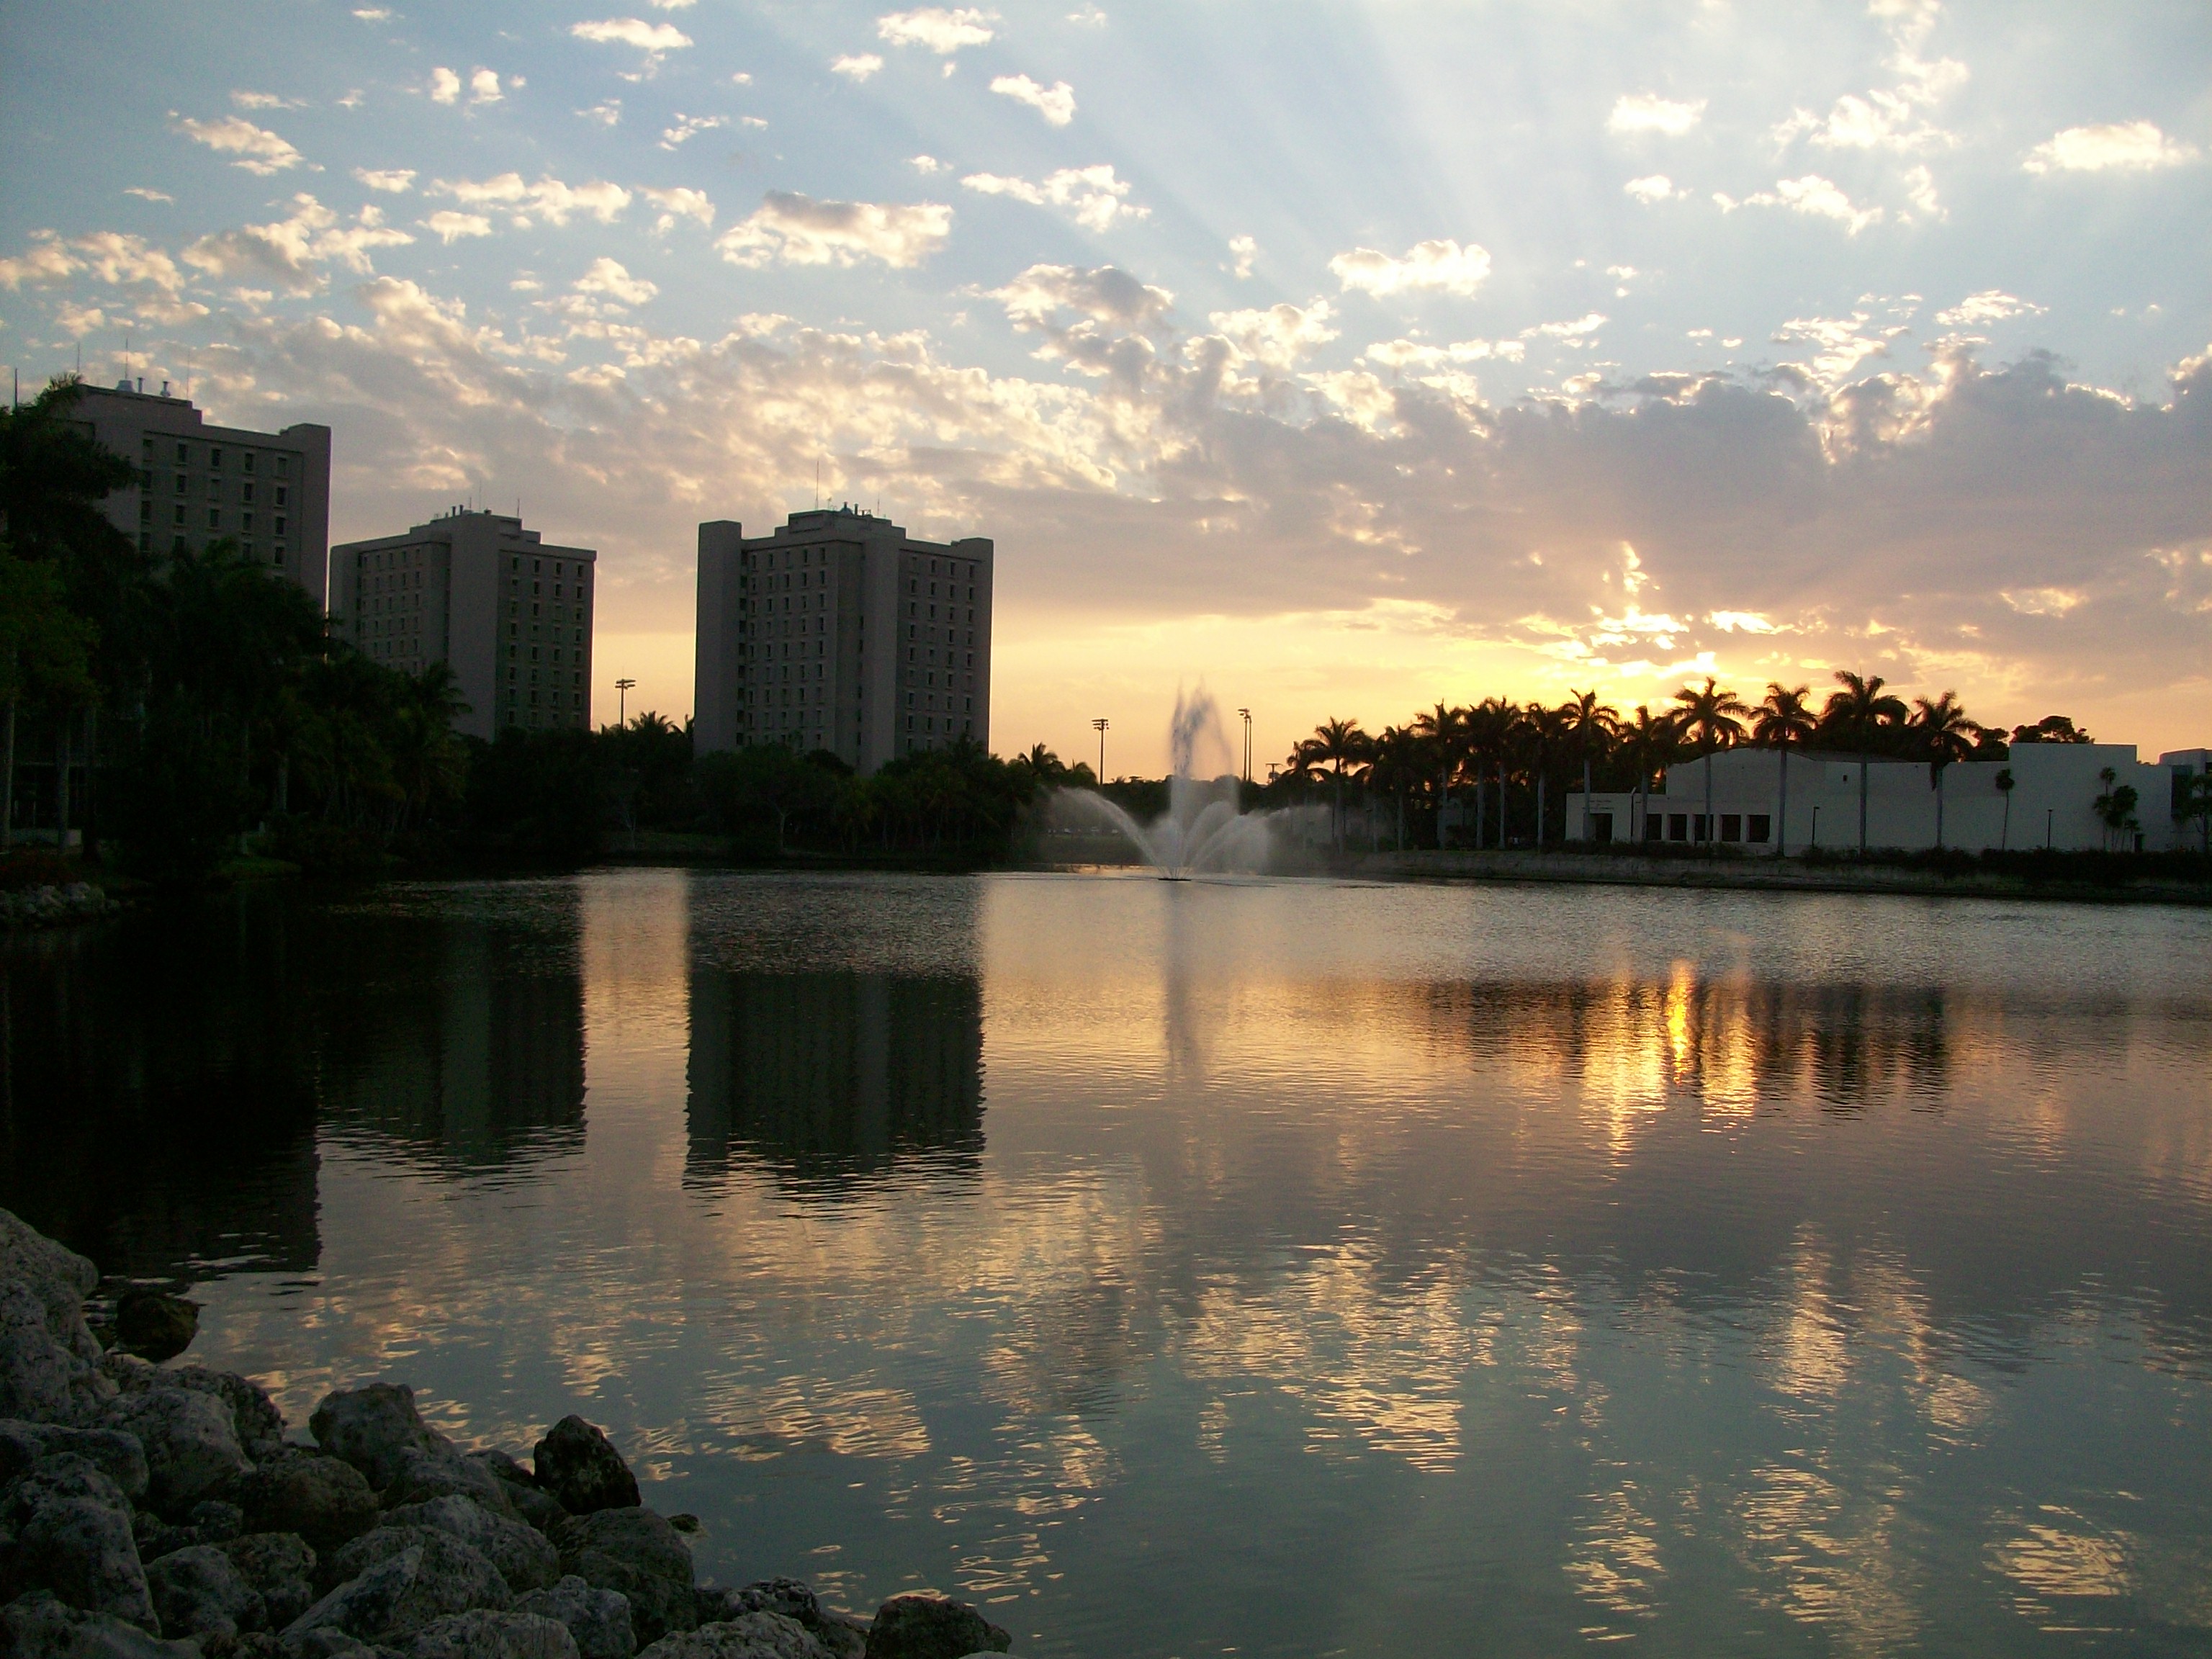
(1245, 715)
(622, 702)
(1099, 727)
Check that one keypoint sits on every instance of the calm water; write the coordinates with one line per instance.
(1189, 1269)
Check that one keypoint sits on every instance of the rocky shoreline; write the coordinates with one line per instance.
(162, 1511)
(37, 906)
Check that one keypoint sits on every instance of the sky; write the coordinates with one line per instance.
(1340, 359)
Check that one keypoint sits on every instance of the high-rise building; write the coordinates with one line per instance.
(842, 632)
(510, 613)
(197, 483)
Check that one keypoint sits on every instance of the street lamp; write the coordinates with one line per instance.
(622, 702)
(1099, 727)
(1245, 715)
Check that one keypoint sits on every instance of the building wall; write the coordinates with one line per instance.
(511, 613)
(839, 631)
(2050, 803)
(197, 483)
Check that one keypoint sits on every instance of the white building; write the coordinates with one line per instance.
(842, 632)
(2043, 796)
(511, 613)
(197, 483)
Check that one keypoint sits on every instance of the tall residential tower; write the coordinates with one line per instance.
(842, 632)
(510, 613)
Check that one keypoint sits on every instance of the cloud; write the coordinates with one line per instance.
(1441, 264)
(394, 180)
(1920, 190)
(291, 251)
(445, 85)
(607, 276)
(449, 227)
(607, 114)
(1647, 112)
(681, 202)
(1105, 294)
(652, 39)
(1245, 250)
(1414, 353)
(798, 230)
(1991, 306)
(1813, 195)
(265, 101)
(1056, 102)
(925, 165)
(942, 31)
(1096, 196)
(483, 86)
(547, 202)
(1843, 345)
(856, 67)
(1279, 334)
(690, 126)
(1575, 329)
(257, 149)
(2125, 146)
(1652, 187)
(146, 195)
(1089, 17)
(373, 14)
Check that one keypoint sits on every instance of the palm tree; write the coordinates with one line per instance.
(1445, 729)
(2005, 781)
(1342, 747)
(1546, 733)
(1649, 742)
(1859, 713)
(1944, 730)
(1591, 726)
(1490, 726)
(1710, 716)
(1400, 761)
(1784, 717)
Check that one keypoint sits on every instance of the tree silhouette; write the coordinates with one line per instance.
(1709, 716)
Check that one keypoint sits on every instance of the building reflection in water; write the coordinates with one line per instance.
(831, 1079)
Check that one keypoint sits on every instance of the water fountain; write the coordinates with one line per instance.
(1205, 830)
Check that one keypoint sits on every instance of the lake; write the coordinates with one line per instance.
(1192, 1268)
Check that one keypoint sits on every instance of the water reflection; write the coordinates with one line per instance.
(829, 1077)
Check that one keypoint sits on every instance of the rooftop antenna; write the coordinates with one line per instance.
(817, 483)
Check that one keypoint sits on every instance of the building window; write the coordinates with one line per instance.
(180, 483)
(280, 468)
(1731, 826)
(280, 493)
(1678, 826)
(215, 460)
(183, 453)
(246, 460)
(181, 515)
(279, 524)
(246, 492)
(1701, 828)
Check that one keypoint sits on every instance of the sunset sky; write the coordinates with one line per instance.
(1344, 358)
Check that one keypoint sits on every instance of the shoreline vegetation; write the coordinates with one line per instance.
(156, 1510)
(178, 721)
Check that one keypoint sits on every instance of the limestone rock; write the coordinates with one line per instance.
(117, 1454)
(531, 1502)
(371, 1427)
(41, 1380)
(155, 1326)
(200, 1592)
(483, 1635)
(523, 1556)
(254, 1417)
(41, 1625)
(324, 1500)
(59, 1278)
(749, 1636)
(449, 1559)
(427, 1577)
(580, 1467)
(329, 1642)
(598, 1619)
(925, 1626)
(72, 1530)
(422, 1475)
(638, 1553)
(190, 1440)
(844, 1637)
(280, 1567)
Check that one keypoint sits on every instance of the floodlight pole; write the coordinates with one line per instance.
(622, 702)
(1245, 715)
(1099, 727)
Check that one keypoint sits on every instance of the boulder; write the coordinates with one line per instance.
(254, 1417)
(530, 1501)
(484, 1635)
(638, 1553)
(423, 1475)
(155, 1326)
(199, 1592)
(192, 1445)
(599, 1620)
(72, 1532)
(427, 1576)
(329, 1642)
(450, 1558)
(324, 1500)
(281, 1568)
(40, 1379)
(60, 1278)
(117, 1454)
(924, 1624)
(371, 1427)
(157, 1538)
(216, 1521)
(580, 1467)
(844, 1638)
(525, 1557)
(750, 1636)
(41, 1625)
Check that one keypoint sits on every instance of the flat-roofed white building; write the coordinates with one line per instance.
(2043, 795)
(842, 632)
(197, 483)
(509, 610)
